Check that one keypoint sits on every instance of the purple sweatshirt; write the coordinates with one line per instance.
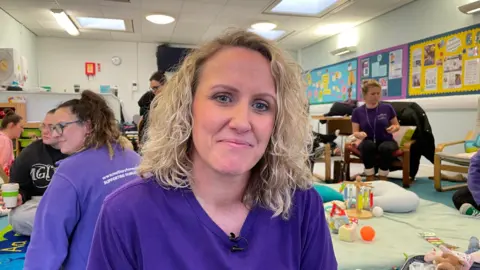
(66, 216)
(144, 226)
(474, 177)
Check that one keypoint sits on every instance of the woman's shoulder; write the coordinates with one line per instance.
(308, 201)
(384, 105)
(359, 108)
(135, 193)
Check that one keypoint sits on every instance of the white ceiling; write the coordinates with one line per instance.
(197, 20)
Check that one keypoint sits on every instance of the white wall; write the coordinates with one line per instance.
(14, 35)
(61, 64)
(450, 117)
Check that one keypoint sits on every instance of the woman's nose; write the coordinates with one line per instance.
(240, 118)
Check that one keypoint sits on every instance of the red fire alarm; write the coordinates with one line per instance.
(90, 69)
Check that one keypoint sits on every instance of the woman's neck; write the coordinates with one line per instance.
(214, 189)
(7, 133)
(371, 105)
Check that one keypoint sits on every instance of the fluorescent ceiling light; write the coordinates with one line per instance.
(470, 8)
(64, 21)
(305, 7)
(264, 26)
(473, 11)
(344, 50)
(160, 19)
(271, 35)
(101, 23)
(332, 29)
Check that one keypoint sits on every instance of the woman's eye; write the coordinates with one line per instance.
(261, 106)
(223, 98)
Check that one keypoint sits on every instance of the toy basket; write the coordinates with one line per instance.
(420, 259)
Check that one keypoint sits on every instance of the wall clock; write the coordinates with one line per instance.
(116, 60)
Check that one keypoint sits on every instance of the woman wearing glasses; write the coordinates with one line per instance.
(157, 80)
(98, 164)
(32, 170)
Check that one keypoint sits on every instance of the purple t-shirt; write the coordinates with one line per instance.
(474, 177)
(67, 214)
(375, 121)
(144, 226)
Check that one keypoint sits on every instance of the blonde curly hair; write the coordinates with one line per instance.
(283, 168)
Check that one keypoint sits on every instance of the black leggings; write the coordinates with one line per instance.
(369, 151)
(463, 195)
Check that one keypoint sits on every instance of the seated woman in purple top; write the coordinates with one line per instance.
(374, 123)
(227, 184)
(86, 130)
(467, 199)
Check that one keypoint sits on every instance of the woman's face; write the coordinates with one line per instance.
(373, 95)
(234, 110)
(69, 131)
(15, 130)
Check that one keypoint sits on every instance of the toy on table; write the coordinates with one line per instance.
(337, 218)
(474, 245)
(360, 206)
(367, 233)
(446, 259)
(434, 240)
(348, 232)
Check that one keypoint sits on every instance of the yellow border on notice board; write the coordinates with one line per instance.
(445, 65)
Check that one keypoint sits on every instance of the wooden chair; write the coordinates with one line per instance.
(459, 162)
(402, 162)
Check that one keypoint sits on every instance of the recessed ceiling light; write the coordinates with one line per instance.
(332, 29)
(304, 7)
(265, 26)
(272, 34)
(101, 23)
(160, 19)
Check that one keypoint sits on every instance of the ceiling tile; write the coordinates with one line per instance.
(220, 2)
(199, 12)
(22, 4)
(150, 29)
(126, 36)
(77, 10)
(169, 7)
(77, 2)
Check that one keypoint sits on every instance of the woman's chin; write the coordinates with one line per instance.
(232, 168)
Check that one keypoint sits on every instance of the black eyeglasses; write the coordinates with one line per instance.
(59, 127)
(44, 126)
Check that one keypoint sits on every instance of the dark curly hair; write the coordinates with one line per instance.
(93, 109)
(10, 117)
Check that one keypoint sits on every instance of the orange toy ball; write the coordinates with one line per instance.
(367, 233)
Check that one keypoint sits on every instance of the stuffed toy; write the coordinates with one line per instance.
(446, 259)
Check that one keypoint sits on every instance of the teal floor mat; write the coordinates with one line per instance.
(12, 247)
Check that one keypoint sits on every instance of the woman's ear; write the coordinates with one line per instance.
(88, 127)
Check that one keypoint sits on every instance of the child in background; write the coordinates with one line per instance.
(10, 128)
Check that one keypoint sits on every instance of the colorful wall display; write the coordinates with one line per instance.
(389, 67)
(337, 82)
(447, 64)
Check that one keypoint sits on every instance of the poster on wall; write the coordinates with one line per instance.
(446, 64)
(389, 67)
(332, 83)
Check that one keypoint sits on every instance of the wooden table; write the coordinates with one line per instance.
(342, 123)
